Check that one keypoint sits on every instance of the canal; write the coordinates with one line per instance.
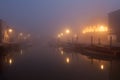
(43, 62)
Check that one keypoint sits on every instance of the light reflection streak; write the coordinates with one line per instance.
(67, 60)
(102, 66)
(10, 61)
(62, 52)
(21, 51)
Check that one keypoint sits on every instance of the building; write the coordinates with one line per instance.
(4, 32)
(114, 24)
(2, 26)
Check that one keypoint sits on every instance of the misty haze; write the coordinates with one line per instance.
(59, 40)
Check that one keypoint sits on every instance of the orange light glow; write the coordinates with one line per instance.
(103, 29)
(67, 60)
(67, 31)
(95, 29)
(62, 52)
(102, 66)
(10, 61)
(10, 30)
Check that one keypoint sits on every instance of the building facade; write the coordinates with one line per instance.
(114, 24)
(4, 34)
(1, 31)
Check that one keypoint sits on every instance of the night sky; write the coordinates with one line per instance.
(47, 17)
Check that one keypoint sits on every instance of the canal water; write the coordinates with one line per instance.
(43, 62)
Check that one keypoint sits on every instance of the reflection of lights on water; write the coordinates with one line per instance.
(21, 52)
(68, 60)
(10, 61)
(62, 52)
(102, 66)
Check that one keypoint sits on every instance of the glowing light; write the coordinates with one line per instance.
(62, 52)
(102, 66)
(84, 32)
(10, 30)
(10, 61)
(103, 29)
(67, 31)
(21, 52)
(67, 60)
(95, 29)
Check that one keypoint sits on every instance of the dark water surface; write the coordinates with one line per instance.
(42, 62)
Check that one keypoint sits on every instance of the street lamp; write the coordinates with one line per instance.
(103, 29)
(67, 31)
(10, 30)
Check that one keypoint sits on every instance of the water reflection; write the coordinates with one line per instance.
(21, 51)
(105, 64)
(62, 52)
(7, 59)
(102, 66)
(10, 61)
(67, 60)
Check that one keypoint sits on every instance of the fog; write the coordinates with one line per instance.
(49, 17)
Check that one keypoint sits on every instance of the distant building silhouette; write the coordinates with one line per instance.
(114, 23)
(1, 30)
(4, 35)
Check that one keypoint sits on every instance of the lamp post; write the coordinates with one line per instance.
(67, 31)
(10, 30)
(10, 34)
